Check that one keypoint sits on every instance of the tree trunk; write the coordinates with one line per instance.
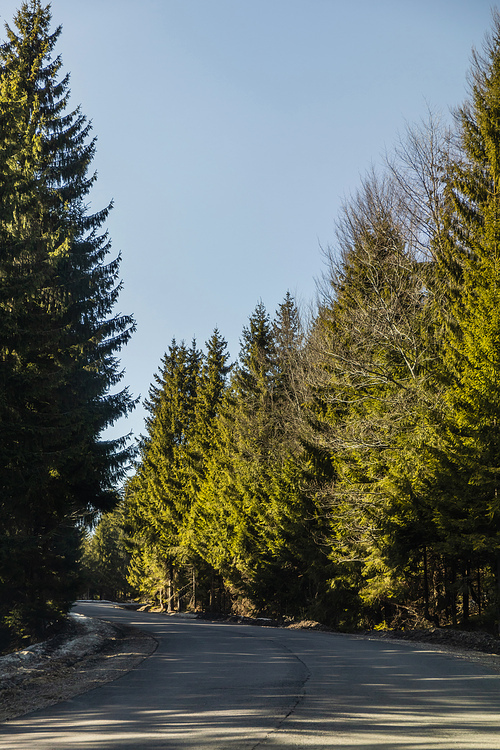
(211, 599)
(426, 587)
(170, 583)
(465, 595)
(498, 592)
(478, 589)
(453, 595)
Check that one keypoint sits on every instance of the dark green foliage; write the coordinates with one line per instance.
(405, 390)
(220, 505)
(182, 405)
(253, 519)
(58, 336)
(106, 559)
(350, 473)
(466, 470)
(368, 378)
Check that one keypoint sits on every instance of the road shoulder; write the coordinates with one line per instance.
(38, 678)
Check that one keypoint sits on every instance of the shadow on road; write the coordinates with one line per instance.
(212, 686)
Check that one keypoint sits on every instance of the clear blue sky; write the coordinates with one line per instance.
(229, 132)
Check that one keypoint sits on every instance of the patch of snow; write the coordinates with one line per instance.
(88, 640)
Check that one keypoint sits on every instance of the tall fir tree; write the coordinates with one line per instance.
(211, 386)
(225, 519)
(163, 468)
(160, 495)
(467, 456)
(253, 521)
(59, 338)
(368, 376)
(106, 558)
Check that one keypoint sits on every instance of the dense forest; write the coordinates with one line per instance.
(58, 337)
(345, 468)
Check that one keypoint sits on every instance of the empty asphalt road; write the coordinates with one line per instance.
(236, 687)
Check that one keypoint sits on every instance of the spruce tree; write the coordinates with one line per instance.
(163, 468)
(226, 514)
(467, 464)
(252, 520)
(59, 337)
(106, 558)
(160, 495)
(368, 374)
(210, 390)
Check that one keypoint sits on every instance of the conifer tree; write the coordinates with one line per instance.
(160, 488)
(106, 558)
(253, 521)
(467, 465)
(161, 494)
(229, 496)
(367, 378)
(59, 338)
(210, 390)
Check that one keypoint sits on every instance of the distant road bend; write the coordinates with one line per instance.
(214, 686)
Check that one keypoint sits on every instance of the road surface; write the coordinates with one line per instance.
(235, 687)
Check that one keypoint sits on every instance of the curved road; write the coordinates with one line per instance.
(215, 686)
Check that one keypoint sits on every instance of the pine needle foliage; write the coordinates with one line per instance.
(467, 468)
(58, 335)
(162, 495)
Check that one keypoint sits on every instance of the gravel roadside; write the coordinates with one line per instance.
(87, 654)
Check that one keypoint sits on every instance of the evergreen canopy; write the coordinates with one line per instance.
(58, 334)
